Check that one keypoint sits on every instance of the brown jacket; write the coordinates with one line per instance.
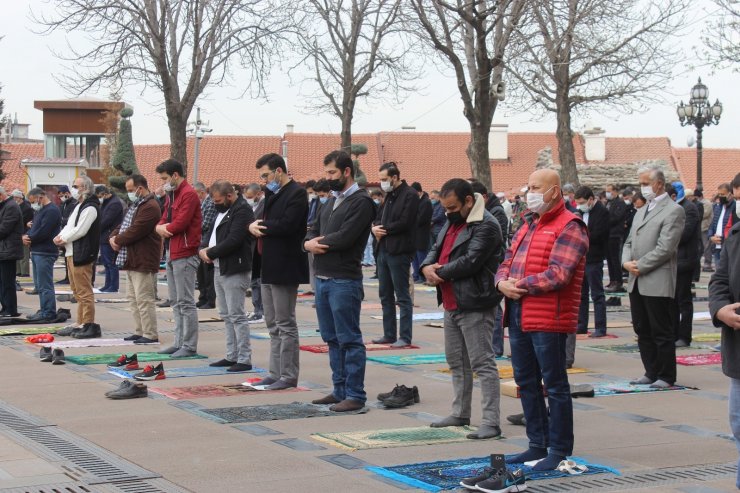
(142, 241)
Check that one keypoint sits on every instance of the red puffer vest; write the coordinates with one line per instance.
(555, 311)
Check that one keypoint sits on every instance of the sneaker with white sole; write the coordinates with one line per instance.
(486, 473)
(255, 319)
(507, 482)
(151, 373)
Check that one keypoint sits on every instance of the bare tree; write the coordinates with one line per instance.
(179, 47)
(586, 54)
(721, 35)
(355, 49)
(472, 36)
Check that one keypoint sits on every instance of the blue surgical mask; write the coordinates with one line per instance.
(324, 200)
(377, 201)
(435, 201)
(273, 186)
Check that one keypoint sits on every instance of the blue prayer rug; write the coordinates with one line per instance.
(447, 474)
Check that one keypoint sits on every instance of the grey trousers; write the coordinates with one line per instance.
(181, 275)
(141, 293)
(231, 292)
(570, 350)
(469, 348)
(278, 301)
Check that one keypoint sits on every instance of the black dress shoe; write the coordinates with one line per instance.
(164, 304)
(239, 367)
(132, 391)
(132, 337)
(223, 362)
(383, 340)
(89, 331)
(57, 357)
(145, 340)
(207, 306)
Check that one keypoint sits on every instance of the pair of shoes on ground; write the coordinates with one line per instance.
(496, 481)
(339, 406)
(483, 432)
(396, 344)
(131, 363)
(54, 356)
(400, 396)
(39, 316)
(177, 352)
(128, 389)
(137, 339)
(654, 384)
(233, 366)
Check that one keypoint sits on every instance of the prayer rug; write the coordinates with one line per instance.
(633, 348)
(622, 388)
(202, 391)
(200, 320)
(706, 337)
(508, 371)
(104, 359)
(418, 316)
(399, 437)
(585, 337)
(192, 371)
(266, 335)
(27, 331)
(111, 300)
(271, 412)
(369, 346)
(417, 359)
(447, 474)
(699, 359)
(93, 343)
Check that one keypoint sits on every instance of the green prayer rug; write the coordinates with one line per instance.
(27, 331)
(399, 437)
(104, 359)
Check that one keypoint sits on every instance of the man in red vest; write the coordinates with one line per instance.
(541, 277)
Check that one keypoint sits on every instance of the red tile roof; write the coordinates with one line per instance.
(718, 166)
(15, 175)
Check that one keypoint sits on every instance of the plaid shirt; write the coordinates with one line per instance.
(567, 251)
(208, 211)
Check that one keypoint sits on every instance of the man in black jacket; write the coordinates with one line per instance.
(724, 306)
(462, 264)
(617, 218)
(337, 239)
(688, 246)
(22, 267)
(596, 216)
(423, 230)
(229, 249)
(11, 250)
(395, 230)
(280, 236)
(111, 217)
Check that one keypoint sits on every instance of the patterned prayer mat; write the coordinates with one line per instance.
(633, 348)
(369, 346)
(104, 359)
(192, 371)
(585, 337)
(447, 474)
(706, 337)
(417, 359)
(202, 391)
(613, 308)
(271, 412)
(699, 359)
(399, 437)
(93, 343)
(205, 320)
(508, 371)
(418, 316)
(301, 334)
(111, 300)
(623, 388)
(24, 331)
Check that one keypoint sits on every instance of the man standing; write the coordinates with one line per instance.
(617, 218)
(649, 255)
(462, 264)
(139, 248)
(81, 241)
(721, 217)
(423, 230)
(688, 246)
(707, 247)
(337, 240)
(68, 203)
(111, 216)
(596, 216)
(180, 228)
(256, 200)
(229, 249)
(395, 231)
(207, 298)
(22, 266)
(40, 238)
(439, 219)
(541, 277)
(280, 235)
(11, 250)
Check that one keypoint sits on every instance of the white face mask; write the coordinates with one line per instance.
(169, 186)
(132, 196)
(584, 207)
(628, 202)
(63, 198)
(36, 206)
(647, 192)
(536, 201)
(311, 197)
(608, 195)
(101, 199)
(386, 186)
(250, 202)
(75, 193)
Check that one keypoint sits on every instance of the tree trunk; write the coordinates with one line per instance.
(566, 151)
(346, 134)
(477, 151)
(178, 141)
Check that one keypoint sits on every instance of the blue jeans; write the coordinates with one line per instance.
(418, 259)
(593, 281)
(43, 281)
(393, 279)
(338, 310)
(538, 356)
(108, 257)
(368, 257)
(735, 419)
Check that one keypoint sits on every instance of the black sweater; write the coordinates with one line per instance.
(345, 231)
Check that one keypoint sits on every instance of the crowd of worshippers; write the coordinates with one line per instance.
(528, 263)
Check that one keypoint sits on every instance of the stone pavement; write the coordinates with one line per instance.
(57, 430)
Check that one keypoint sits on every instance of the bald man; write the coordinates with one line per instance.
(541, 278)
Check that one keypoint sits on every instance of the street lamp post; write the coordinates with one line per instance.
(197, 128)
(699, 113)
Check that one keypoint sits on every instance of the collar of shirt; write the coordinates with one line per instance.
(348, 192)
(657, 199)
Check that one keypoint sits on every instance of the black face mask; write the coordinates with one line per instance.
(455, 217)
(722, 199)
(338, 184)
(222, 207)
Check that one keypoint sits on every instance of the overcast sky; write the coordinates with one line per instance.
(28, 66)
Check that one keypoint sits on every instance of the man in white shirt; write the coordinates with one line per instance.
(81, 240)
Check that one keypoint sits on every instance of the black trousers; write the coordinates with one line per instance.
(683, 306)
(614, 259)
(8, 296)
(205, 284)
(651, 317)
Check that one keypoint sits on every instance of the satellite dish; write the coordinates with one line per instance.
(690, 141)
